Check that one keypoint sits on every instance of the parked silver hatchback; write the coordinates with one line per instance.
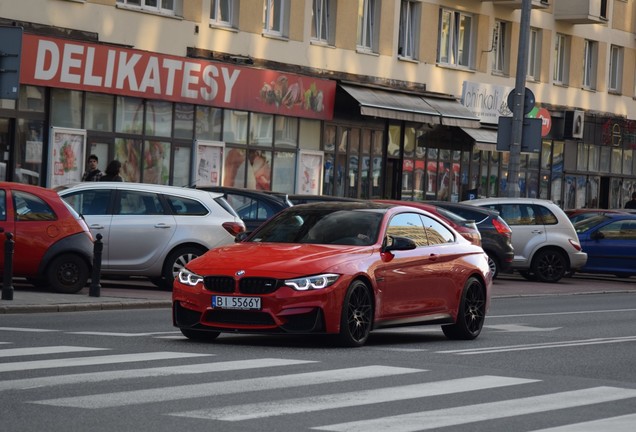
(152, 230)
(544, 240)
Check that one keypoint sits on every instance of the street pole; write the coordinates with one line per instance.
(518, 108)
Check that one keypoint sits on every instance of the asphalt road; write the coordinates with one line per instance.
(543, 363)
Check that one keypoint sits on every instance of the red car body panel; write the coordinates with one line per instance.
(407, 286)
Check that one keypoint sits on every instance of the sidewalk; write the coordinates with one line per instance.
(140, 294)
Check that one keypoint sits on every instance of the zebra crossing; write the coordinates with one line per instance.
(419, 384)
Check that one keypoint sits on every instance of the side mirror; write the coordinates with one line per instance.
(241, 236)
(394, 243)
(597, 235)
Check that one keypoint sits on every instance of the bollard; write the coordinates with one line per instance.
(98, 246)
(7, 280)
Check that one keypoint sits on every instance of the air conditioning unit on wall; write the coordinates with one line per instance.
(573, 124)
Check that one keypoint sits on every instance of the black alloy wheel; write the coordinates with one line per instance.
(357, 315)
(549, 265)
(471, 314)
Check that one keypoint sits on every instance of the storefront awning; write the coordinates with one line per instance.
(453, 113)
(485, 139)
(392, 105)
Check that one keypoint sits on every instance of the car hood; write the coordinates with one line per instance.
(279, 259)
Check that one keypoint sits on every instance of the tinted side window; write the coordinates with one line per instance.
(519, 214)
(546, 216)
(186, 206)
(139, 203)
(3, 205)
(408, 225)
(89, 202)
(29, 207)
(436, 232)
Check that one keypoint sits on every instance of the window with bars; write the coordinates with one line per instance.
(455, 38)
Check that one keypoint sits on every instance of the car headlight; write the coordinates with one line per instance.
(186, 277)
(312, 282)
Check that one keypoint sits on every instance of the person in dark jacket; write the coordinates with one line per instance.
(631, 204)
(92, 173)
(112, 172)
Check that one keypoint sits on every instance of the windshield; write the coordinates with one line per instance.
(589, 223)
(322, 226)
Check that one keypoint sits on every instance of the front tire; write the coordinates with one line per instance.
(549, 265)
(199, 335)
(357, 315)
(176, 261)
(67, 274)
(471, 312)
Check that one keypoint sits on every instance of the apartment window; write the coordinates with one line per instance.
(534, 54)
(501, 48)
(276, 17)
(616, 69)
(409, 29)
(561, 54)
(368, 25)
(323, 23)
(224, 13)
(455, 38)
(161, 6)
(589, 61)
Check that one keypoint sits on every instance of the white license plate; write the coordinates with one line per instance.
(241, 303)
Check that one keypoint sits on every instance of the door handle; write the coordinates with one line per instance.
(162, 225)
(96, 227)
(433, 257)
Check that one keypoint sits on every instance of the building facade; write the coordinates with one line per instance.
(368, 99)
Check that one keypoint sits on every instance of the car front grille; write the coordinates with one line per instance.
(248, 285)
(223, 284)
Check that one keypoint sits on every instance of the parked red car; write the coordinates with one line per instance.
(340, 268)
(53, 246)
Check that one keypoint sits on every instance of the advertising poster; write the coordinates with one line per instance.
(309, 178)
(209, 163)
(67, 156)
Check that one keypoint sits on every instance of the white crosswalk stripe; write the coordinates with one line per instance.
(626, 423)
(17, 352)
(227, 387)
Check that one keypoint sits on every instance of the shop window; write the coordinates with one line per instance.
(594, 160)
(31, 99)
(259, 170)
(309, 134)
(183, 121)
(224, 13)
(617, 160)
(261, 129)
(66, 108)
(394, 140)
(28, 152)
(276, 17)
(128, 152)
(368, 31)
(156, 162)
(561, 59)
(98, 112)
(284, 172)
(235, 126)
(129, 115)
(409, 40)
(581, 156)
(286, 132)
(158, 118)
(493, 178)
(329, 140)
(605, 159)
(182, 162)
(323, 21)
(234, 167)
(628, 155)
(455, 38)
(208, 123)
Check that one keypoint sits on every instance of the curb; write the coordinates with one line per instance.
(83, 307)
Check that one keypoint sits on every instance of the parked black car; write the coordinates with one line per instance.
(253, 207)
(495, 233)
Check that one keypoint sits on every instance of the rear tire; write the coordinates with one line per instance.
(493, 263)
(175, 262)
(357, 315)
(67, 273)
(471, 312)
(200, 335)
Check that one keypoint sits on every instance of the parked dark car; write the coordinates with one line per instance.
(576, 215)
(307, 199)
(253, 207)
(496, 235)
(610, 243)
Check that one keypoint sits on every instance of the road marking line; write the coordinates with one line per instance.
(136, 397)
(469, 414)
(351, 399)
(520, 328)
(94, 377)
(15, 352)
(89, 361)
(20, 329)
(562, 313)
(615, 424)
(546, 345)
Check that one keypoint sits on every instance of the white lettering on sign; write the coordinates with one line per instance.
(89, 66)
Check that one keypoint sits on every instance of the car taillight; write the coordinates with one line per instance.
(575, 245)
(234, 228)
(473, 237)
(501, 228)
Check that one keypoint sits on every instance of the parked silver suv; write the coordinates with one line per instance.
(544, 240)
(152, 230)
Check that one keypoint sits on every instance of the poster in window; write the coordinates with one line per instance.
(309, 174)
(209, 163)
(67, 154)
